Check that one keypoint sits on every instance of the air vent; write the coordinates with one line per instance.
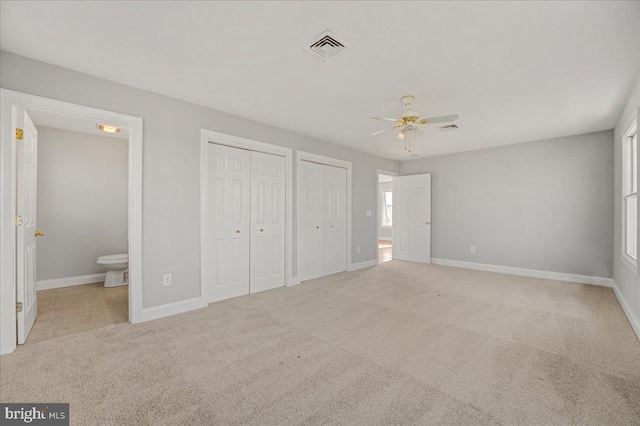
(449, 127)
(326, 45)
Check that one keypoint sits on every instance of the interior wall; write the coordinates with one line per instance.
(545, 205)
(627, 282)
(171, 168)
(81, 202)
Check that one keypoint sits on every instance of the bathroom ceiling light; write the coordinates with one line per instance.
(109, 129)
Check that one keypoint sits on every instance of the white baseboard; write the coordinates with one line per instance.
(70, 281)
(293, 281)
(173, 308)
(362, 265)
(559, 276)
(627, 310)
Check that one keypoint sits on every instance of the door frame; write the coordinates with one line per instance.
(10, 102)
(328, 161)
(393, 191)
(211, 136)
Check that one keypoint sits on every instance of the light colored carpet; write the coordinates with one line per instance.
(399, 343)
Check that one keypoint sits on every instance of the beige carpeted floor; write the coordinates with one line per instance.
(399, 343)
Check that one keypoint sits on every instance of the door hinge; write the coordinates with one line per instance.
(18, 220)
(18, 307)
(18, 134)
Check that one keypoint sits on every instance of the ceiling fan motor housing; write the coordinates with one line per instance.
(408, 112)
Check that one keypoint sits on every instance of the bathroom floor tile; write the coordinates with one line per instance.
(77, 309)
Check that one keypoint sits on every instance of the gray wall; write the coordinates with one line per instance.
(82, 201)
(628, 282)
(171, 167)
(545, 205)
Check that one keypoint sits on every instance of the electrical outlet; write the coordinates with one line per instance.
(472, 249)
(166, 281)
(358, 249)
(369, 213)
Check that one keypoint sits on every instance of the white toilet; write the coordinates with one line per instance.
(115, 265)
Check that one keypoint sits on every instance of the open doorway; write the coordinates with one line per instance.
(385, 216)
(57, 283)
(81, 203)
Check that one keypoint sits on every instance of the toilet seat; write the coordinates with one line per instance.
(113, 258)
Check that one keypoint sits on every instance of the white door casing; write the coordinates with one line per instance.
(27, 169)
(412, 218)
(267, 222)
(335, 190)
(311, 220)
(229, 219)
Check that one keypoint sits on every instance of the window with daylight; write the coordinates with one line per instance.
(630, 196)
(387, 206)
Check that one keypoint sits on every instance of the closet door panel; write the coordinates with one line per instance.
(227, 239)
(267, 221)
(335, 219)
(311, 221)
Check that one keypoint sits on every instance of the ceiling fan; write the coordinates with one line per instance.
(410, 121)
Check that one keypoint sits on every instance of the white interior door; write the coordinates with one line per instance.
(27, 168)
(267, 221)
(228, 205)
(412, 218)
(335, 201)
(311, 221)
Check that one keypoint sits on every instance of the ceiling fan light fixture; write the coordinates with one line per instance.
(410, 121)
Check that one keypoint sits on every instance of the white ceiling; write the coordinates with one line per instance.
(514, 71)
(75, 124)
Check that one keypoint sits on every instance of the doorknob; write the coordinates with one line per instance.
(427, 223)
(39, 233)
(317, 227)
(261, 230)
(237, 231)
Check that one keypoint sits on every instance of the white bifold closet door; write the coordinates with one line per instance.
(311, 220)
(412, 218)
(229, 201)
(267, 221)
(322, 220)
(335, 200)
(246, 209)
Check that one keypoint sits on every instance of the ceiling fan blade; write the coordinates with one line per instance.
(385, 119)
(441, 119)
(380, 131)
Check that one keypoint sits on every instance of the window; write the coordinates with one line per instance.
(630, 196)
(387, 206)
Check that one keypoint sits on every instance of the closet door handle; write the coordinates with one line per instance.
(261, 230)
(317, 227)
(237, 231)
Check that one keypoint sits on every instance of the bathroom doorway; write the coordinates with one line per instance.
(76, 235)
(385, 182)
(81, 254)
